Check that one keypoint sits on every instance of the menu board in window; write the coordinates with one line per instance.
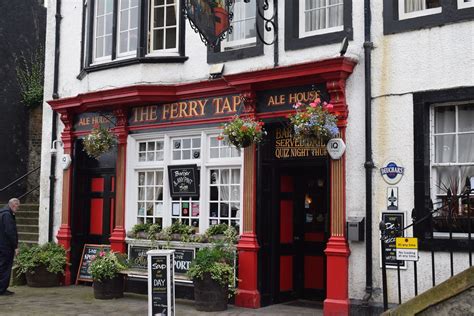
(184, 181)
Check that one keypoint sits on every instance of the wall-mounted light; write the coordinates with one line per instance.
(216, 71)
(54, 146)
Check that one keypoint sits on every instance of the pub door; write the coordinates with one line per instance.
(94, 204)
(303, 225)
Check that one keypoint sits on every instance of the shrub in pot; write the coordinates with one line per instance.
(221, 233)
(179, 232)
(212, 273)
(43, 265)
(140, 231)
(105, 270)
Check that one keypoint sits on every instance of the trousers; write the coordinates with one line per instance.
(6, 263)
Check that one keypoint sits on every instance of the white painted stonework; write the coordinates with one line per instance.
(404, 63)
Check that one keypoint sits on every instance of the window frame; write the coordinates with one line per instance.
(302, 33)
(129, 53)
(205, 164)
(415, 14)
(465, 5)
(294, 40)
(150, 29)
(241, 43)
(93, 24)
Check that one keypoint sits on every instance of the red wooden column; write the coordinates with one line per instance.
(64, 233)
(337, 250)
(247, 294)
(117, 238)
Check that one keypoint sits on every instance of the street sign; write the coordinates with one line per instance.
(407, 248)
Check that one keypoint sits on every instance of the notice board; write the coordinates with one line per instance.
(184, 181)
(89, 253)
(394, 222)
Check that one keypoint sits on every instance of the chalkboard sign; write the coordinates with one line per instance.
(394, 222)
(160, 283)
(137, 257)
(184, 181)
(88, 255)
(182, 260)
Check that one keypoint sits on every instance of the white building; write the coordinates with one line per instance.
(137, 67)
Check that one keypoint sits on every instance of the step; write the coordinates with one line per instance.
(27, 221)
(27, 214)
(27, 228)
(27, 237)
(28, 208)
(28, 242)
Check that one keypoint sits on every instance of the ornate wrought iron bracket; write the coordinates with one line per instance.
(270, 24)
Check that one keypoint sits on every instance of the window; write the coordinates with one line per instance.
(128, 27)
(465, 4)
(163, 25)
(103, 22)
(224, 197)
(452, 158)
(243, 25)
(150, 197)
(220, 187)
(415, 8)
(320, 16)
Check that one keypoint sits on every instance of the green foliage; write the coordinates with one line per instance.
(140, 228)
(153, 230)
(242, 132)
(229, 232)
(218, 229)
(51, 255)
(99, 141)
(107, 265)
(30, 77)
(217, 261)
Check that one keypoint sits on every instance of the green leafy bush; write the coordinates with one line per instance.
(30, 77)
(217, 261)
(153, 230)
(107, 265)
(51, 255)
(137, 228)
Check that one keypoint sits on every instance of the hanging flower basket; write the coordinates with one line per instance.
(99, 141)
(314, 122)
(243, 132)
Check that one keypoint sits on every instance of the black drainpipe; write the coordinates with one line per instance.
(52, 175)
(369, 164)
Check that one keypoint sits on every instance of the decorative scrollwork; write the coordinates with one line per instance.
(270, 23)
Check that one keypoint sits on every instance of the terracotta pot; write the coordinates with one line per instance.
(209, 295)
(110, 288)
(41, 277)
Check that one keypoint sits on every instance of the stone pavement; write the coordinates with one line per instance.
(79, 301)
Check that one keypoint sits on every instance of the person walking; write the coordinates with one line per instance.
(8, 243)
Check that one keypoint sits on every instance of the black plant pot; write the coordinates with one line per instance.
(41, 277)
(245, 142)
(209, 295)
(110, 288)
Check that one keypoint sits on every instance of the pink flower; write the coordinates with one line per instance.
(313, 104)
(297, 105)
(102, 253)
(329, 106)
(317, 100)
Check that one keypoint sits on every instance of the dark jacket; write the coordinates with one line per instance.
(8, 232)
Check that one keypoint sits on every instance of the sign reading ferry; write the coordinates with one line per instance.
(392, 172)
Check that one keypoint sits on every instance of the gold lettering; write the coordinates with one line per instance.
(236, 100)
(183, 107)
(202, 104)
(217, 103)
(153, 113)
(174, 111)
(271, 101)
(226, 106)
(192, 108)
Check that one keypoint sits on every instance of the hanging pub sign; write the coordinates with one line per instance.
(210, 18)
(394, 222)
(184, 181)
(392, 172)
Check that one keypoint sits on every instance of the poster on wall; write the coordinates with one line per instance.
(184, 182)
(394, 222)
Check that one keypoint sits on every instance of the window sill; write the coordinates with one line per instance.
(131, 61)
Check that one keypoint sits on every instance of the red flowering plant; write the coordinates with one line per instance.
(243, 132)
(314, 121)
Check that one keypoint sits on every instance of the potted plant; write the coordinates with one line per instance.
(43, 265)
(243, 132)
(212, 273)
(99, 141)
(314, 121)
(179, 232)
(154, 231)
(139, 231)
(105, 270)
(221, 232)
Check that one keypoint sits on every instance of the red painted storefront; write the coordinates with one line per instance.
(331, 73)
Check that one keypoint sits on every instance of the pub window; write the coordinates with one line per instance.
(103, 26)
(220, 148)
(128, 27)
(150, 151)
(408, 9)
(224, 196)
(186, 210)
(320, 16)
(150, 197)
(462, 4)
(186, 148)
(164, 19)
(243, 24)
(452, 155)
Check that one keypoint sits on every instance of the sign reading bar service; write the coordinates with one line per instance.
(184, 181)
(287, 146)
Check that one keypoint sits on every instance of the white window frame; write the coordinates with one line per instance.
(133, 52)
(302, 21)
(415, 14)
(204, 164)
(107, 58)
(435, 196)
(154, 215)
(228, 45)
(464, 5)
(151, 28)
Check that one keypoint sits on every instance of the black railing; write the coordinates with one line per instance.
(452, 204)
(18, 180)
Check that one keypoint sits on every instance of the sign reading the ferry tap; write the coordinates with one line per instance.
(392, 172)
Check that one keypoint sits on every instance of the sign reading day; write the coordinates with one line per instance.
(88, 254)
(161, 300)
